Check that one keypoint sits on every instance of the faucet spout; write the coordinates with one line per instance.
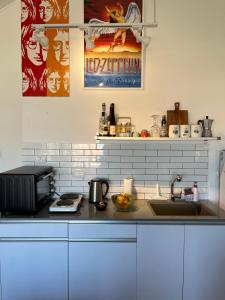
(173, 196)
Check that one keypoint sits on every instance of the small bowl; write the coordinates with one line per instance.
(123, 202)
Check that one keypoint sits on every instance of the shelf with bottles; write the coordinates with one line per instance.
(154, 139)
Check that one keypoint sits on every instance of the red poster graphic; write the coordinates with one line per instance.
(45, 54)
(112, 56)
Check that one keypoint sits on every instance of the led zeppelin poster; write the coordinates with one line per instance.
(112, 55)
(45, 54)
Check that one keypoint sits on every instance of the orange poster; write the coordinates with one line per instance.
(112, 55)
(45, 54)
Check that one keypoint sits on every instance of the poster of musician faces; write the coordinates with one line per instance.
(112, 56)
(45, 65)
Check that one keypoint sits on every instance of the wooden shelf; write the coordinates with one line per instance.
(152, 139)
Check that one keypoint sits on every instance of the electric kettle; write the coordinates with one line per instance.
(206, 127)
(96, 193)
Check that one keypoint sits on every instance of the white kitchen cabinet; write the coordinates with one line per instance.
(34, 267)
(102, 263)
(160, 262)
(204, 263)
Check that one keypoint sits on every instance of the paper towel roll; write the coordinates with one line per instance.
(128, 186)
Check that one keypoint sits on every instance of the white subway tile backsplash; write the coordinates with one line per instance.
(66, 146)
(158, 146)
(202, 159)
(133, 146)
(59, 183)
(183, 146)
(108, 158)
(63, 171)
(92, 152)
(158, 171)
(46, 152)
(132, 159)
(147, 163)
(96, 165)
(120, 165)
(195, 165)
(145, 153)
(70, 164)
(27, 151)
(133, 171)
(185, 159)
(53, 145)
(83, 158)
(182, 171)
(108, 146)
(75, 189)
(58, 158)
(161, 159)
(84, 146)
(201, 171)
(204, 146)
(120, 152)
(169, 153)
(108, 171)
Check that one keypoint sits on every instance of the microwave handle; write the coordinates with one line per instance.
(49, 174)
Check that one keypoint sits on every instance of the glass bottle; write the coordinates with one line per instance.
(112, 121)
(103, 124)
(155, 129)
(163, 129)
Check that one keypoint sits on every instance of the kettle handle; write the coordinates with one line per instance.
(200, 122)
(107, 187)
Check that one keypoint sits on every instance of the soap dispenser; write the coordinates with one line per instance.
(195, 191)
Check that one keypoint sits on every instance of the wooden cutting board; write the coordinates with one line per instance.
(177, 116)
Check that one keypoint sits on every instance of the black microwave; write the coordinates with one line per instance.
(26, 189)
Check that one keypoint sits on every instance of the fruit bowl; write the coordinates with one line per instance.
(123, 202)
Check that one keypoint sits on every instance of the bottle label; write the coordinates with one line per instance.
(112, 130)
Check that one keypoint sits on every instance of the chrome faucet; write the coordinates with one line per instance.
(173, 196)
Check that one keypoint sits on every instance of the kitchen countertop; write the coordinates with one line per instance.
(141, 214)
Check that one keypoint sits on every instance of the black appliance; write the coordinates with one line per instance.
(26, 189)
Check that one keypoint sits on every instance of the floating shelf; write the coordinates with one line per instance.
(153, 139)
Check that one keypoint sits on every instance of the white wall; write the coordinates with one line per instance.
(185, 62)
(10, 88)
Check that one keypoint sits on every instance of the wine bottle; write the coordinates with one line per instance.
(163, 129)
(112, 121)
(103, 124)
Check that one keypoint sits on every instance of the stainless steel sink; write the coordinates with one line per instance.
(181, 208)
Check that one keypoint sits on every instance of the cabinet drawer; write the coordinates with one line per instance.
(33, 230)
(102, 231)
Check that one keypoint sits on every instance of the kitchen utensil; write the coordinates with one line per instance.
(206, 126)
(174, 131)
(177, 116)
(96, 193)
(155, 129)
(196, 130)
(185, 131)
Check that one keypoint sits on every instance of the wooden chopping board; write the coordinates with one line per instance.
(177, 116)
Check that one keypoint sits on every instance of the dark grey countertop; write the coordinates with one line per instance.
(141, 214)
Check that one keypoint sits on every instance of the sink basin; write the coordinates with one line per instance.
(181, 208)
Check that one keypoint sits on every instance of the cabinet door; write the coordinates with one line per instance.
(102, 270)
(160, 262)
(34, 270)
(204, 263)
